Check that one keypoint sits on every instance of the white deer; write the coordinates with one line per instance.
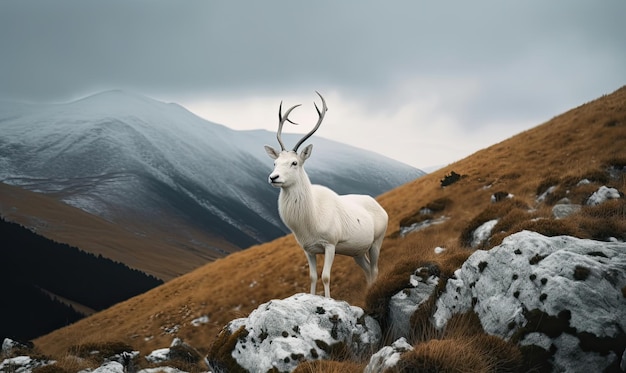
(322, 221)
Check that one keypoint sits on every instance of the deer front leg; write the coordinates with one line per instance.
(312, 259)
(329, 257)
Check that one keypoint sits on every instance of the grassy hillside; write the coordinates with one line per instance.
(586, 142)
(139, 246)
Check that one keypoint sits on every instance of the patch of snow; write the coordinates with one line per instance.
(421, 225)
(583, 182)
(439, 250)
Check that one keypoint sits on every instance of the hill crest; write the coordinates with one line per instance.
(586, 141)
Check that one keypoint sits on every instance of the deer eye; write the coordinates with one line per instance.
(294, 163)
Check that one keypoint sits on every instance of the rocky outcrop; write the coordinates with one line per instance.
(388, 356)
(559, 297)
(280, 334)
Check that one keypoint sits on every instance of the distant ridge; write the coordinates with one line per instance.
(161, 172)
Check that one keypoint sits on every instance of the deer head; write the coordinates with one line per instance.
(288, 163)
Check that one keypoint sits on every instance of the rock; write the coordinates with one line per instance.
(23, 364)
(544, 195)
(178, 350)
(602, 194)
(387, 357)
(500, 196)
(560, 211)
(403, 304)
(108, 367)
(561, 294)
(9, 346)
(482, 233)
(280, 334)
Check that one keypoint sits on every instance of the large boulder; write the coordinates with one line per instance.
(280, 334)
(561, 298)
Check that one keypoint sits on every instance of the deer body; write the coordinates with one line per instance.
(322, 221)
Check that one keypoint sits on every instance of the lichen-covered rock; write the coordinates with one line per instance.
(178, 350)
(402, 305)
(602, 194)
(387, 357)
(23, 364)
(282, 333)
(562, 295)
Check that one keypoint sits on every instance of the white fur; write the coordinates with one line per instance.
(324, 222)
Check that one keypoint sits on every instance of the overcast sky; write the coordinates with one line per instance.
(424, 82)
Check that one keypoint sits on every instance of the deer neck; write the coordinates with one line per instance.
(295, 204)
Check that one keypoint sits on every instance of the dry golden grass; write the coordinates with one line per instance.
(139, 246)
(587, 140)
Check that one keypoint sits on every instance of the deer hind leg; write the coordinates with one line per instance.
(364, 263)
(312, 259)
(373, 254)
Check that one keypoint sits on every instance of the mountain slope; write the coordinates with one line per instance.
(588, 140)
(153, 168)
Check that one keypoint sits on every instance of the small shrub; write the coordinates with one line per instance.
(450, 179)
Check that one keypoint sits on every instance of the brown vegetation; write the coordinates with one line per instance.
(586, 142)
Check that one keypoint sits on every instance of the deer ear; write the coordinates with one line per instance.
(271, 152)
(306, 152)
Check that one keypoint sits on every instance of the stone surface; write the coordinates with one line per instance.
(282, 333)
(387, 357)
(602, 194)
(402, 305)
(561, 294)
(562, 210)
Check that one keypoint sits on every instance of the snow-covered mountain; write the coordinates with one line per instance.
(130, 158)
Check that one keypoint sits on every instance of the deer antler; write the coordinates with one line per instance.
(281, 121)
(319, 121)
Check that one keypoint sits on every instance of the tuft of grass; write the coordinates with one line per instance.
(329, 366)
(220, 354)
(550, 227)
(478, 353)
